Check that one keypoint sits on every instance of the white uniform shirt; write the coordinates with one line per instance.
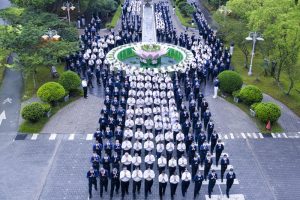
(129, 123)
(186, 176)
(137, 146)
(160, 147)
(182, 162)
(126, 160)
(163, 178)
(176, 127)
(125, 175)
(139, 121)
(126, 145)
(168, 136)
(138, 111)
(137, 175)
(159, 138)
(132, 93)
(149, 174)
(180, 137)
(136, 160)
(149, 159)
(181, 147)
(148, 145)
(148, 135)
(129, 112)
(131, 101)
(147, 111)
(162, 161)
(170, 146)
(138, 135)
(174, 179)
(172, 163)
(149, 124)
(128, 133)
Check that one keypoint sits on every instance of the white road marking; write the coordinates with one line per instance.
(254, 135)
(261, 135)
(7, 100)
(224, 197)
(273, 135)
(2, 117)
(220, 136)
(249, 135)
(278, 135)
(231, 135)
(236, 182)
(71, 137)
(34, 136)
(89, 136)
(284, 135)
(52, 136)
(243, 135)
(225, 137)
(215, 167)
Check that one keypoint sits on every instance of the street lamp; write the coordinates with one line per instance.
(68, 6)
(51, 35)
(254, 36)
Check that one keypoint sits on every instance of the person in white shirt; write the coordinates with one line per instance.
(126, 146)
(161, 163)
(148, 134)
(148, 101)
(148, 175)
(174, 180)
(132, 93)
(149, 124)
(137, 147)
(172, 163)
(140, 94)
(185, 181)
(180, 149)
(182, 163)
(140, 102)
(160, 147)
(128, 133)
(179, 137)
(149, 160)
(137, 176)
(160, 138)
(130, 112)
(158, 127)
(163, 180)
(84, 86)
(125, 177)
(129, 123)
(168, 136)
(138, 135)
(169, 150)
(138, 112)
(148, 146)
(131, 101)
(139, 122)
(156, 110)
(126, 161)
(147, 112)
(176, 128)
(136, 160)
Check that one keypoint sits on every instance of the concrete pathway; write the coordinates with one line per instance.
(148, 24)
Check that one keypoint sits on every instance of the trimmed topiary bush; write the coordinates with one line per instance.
(51, 92)
(70, 81)
(250, 94)
(267, 111)
(230, 81)
(33, 112)
(47, 107)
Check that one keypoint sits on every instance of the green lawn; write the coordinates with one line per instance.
(29, 127)
(42, 76)
(185, 21)
(266, 83)
(115, 18)
(3, 56)
(276, 128)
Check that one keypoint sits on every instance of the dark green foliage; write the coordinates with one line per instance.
(186, 9)
(33, 112)
(51, 92)
(230, 81)
(267, 111)
(70, 81)
(251, 94)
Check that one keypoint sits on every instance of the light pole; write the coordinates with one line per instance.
(254, 36)
(51, 35)
(68, 6)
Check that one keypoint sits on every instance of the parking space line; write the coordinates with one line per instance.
(71, 137)
(52, 136)
(34, 136)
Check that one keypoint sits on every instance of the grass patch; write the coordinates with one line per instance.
(276, 128)
(42, 75)
(115, 18)
(185, 21)
(3, 56)
(29, 127)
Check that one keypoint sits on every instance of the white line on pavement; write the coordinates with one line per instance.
(52, 136)
(223, 197)
(249, 135)
(215, 167)
(243, 135)
(273, 135)
(225, 137)
(254, 135)
(278, 135)
(34, 136)
(261, 135)
(231, 135)
(284, 135)
(71, 137)
(236, 182)
(89, 136)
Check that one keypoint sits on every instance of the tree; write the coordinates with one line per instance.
(105, 7)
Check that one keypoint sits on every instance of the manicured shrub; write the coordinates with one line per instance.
(267, 111)
(236, 93)
(51, 92)
(253, 106)
(47, 107)
(33, 112)
(230, 81)
(250, 94)
(70, 81)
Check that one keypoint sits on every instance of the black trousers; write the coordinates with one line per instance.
(85, 92)
(124, 187)
(103, 184)
(206, 171)
(228, 186)
(114, 185)
(218, 155)
(184, 186)
(136, 186)
(197, 188)
(223, 169)
(173, 189)
(162, 189)
(91, 183)
(148, 185)
(211, 186)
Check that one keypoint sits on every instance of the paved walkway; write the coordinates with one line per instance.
(148, 24)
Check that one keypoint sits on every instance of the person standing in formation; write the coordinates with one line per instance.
(92, 177)
(163, 180)
(174, 180)
(229, 181)
(125, 177)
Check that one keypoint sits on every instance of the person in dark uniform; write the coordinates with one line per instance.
(103, 176)
(95, 160)
(229, 181)
(115, 182)
(213, 141)
(219, 150)
(224, 165)
(210, 129)
(92, 176)
(207, 165)
(212, 178)
(198, 179)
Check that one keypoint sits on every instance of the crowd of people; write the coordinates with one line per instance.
(153, 128)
